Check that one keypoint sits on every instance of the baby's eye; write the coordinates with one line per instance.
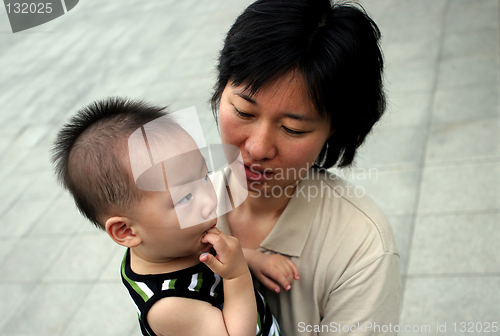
(207, 178)
(185, 199)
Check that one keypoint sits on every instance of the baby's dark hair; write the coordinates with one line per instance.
(335, 47)
(90, 155)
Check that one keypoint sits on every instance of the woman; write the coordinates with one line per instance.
(299, 88)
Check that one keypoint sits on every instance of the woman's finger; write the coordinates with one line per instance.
(277, 275)
(269, 283)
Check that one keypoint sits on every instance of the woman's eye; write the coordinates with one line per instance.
(292, 132)
(185, 199)
(242, 114)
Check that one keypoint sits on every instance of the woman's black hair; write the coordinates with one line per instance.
(336, 49)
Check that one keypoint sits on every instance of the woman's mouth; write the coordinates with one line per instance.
(257, 175)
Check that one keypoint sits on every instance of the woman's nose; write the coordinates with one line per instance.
(260, 144)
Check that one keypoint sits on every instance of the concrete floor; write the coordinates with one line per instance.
(433, 162)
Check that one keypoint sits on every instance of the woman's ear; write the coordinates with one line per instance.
(122, 232)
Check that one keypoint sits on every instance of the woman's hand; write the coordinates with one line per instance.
(272, 270)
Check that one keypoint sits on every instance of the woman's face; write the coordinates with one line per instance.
(278, 131)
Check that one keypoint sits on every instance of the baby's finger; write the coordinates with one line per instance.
(295, 269)
(211, 262)
(219, 241)
(214, 235)
(213, 230)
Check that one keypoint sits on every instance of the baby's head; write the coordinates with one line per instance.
(92, 161)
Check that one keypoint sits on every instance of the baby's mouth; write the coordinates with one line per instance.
(206, 248)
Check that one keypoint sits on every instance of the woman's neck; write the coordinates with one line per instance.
(265, 205)
(253, 220)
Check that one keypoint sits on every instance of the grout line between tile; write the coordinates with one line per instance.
(75, 313)
(453, 275)
(43, 214)
(430, 164)
(21, 305)
(460, 213)
(15, 200)
(2, 262)
(420, 172)
(498, 53)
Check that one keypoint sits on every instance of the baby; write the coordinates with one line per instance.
(184, 275)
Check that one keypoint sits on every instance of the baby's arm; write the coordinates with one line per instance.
(175, 316)
(269, 267)
(188, 317)
(240, 308)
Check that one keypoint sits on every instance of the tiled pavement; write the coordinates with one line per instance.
(432, 164)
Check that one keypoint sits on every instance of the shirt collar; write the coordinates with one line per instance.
(290, 233)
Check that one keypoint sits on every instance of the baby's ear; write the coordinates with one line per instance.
(121, 231)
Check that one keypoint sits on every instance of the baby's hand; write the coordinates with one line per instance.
(229, 262)
(267, 268)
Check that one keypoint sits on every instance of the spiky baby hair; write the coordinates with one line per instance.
(90, 155)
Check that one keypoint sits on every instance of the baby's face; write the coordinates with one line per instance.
(190, 188)
(174, 221)
(159, 228)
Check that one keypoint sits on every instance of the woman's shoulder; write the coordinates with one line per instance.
(345, 207)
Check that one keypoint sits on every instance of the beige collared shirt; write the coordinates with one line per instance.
(344, 249)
